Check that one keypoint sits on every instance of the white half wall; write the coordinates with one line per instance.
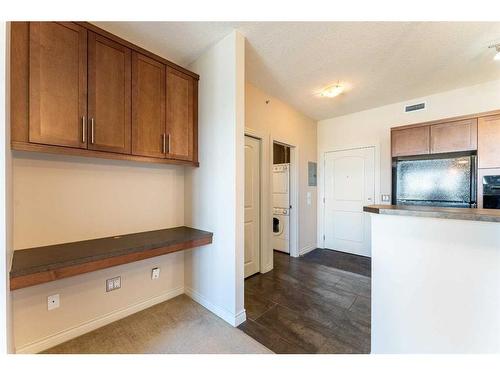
(435, 285)
(372, 128)
(214, 192)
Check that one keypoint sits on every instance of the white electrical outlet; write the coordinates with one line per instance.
(155, 273)
(386, 198)
(53, 302)
(109, 285)
(114, 283)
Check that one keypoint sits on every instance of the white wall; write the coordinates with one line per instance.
(372, 128)
(62, 199)
(6, 343)
(271, 119)
(435, 285)
(214, 191)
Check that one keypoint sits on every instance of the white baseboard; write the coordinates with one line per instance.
(307, 249)
(267, 268)
(240, 318)
(234, 320)
(68, 334)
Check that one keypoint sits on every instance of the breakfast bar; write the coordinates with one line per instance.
(435, 279)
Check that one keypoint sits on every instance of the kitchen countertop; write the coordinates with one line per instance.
(47, 263)
(473, 214)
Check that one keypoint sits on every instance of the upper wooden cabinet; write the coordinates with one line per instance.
(410, 141)
(109, 95)
(148, 107)
(454, 136)
(488, 149)
(57, 83)
(79, 90)
(440, 137)
(180, 119)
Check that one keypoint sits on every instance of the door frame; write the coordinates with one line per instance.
(265, 245)
(321, 197)
(294, 193)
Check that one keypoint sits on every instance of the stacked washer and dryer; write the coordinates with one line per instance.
(281, 207)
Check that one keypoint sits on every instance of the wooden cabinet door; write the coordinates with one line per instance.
(148, 107)
(454, 136)
(57, 83)
(180, 115)
(109, 97)
(488, 147)
(410, 141)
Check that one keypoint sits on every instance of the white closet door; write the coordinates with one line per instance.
(252, 206)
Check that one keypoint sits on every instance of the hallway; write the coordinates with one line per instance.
(318, 303)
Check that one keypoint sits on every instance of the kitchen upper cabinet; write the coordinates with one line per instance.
(488, 148)
(180, 115)
(410, 141)
(109, 97)
(148, 107)
(57, 84)
(454, 136)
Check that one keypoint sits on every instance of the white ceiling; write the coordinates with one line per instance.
(381, 62)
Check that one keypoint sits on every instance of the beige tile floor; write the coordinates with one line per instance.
(179, 325)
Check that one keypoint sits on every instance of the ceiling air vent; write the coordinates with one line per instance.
(415, 107)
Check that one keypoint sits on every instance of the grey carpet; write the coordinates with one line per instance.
(179, 325)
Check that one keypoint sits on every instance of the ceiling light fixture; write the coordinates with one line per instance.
(332, 91)
(497, 48)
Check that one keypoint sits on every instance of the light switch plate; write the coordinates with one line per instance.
(155, 273)
(386, 198)
(53, 302)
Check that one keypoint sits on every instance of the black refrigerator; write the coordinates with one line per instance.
(445, 180)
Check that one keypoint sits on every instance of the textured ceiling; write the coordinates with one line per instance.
(379, 62)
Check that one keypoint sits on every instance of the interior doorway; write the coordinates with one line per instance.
(281, 197)
(284, 185)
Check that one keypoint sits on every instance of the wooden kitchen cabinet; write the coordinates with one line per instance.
(454, 136)
(109, 96)
(57, 83)
(73, 92)
(148, 107)
(180, 111)
(488, 148)
(410, 141)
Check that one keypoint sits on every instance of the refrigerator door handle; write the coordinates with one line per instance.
(473, 182)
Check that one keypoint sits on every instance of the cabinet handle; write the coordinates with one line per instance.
(92, 130)
(169, 143)
(163, 143)
(83, 129)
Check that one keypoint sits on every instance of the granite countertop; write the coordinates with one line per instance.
(54, 257)
(474, 214)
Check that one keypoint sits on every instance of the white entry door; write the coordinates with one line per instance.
(349, 185)
(252, 206)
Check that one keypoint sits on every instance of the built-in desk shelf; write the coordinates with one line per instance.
(48, 263)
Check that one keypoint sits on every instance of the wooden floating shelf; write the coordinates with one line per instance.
(48, 263)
